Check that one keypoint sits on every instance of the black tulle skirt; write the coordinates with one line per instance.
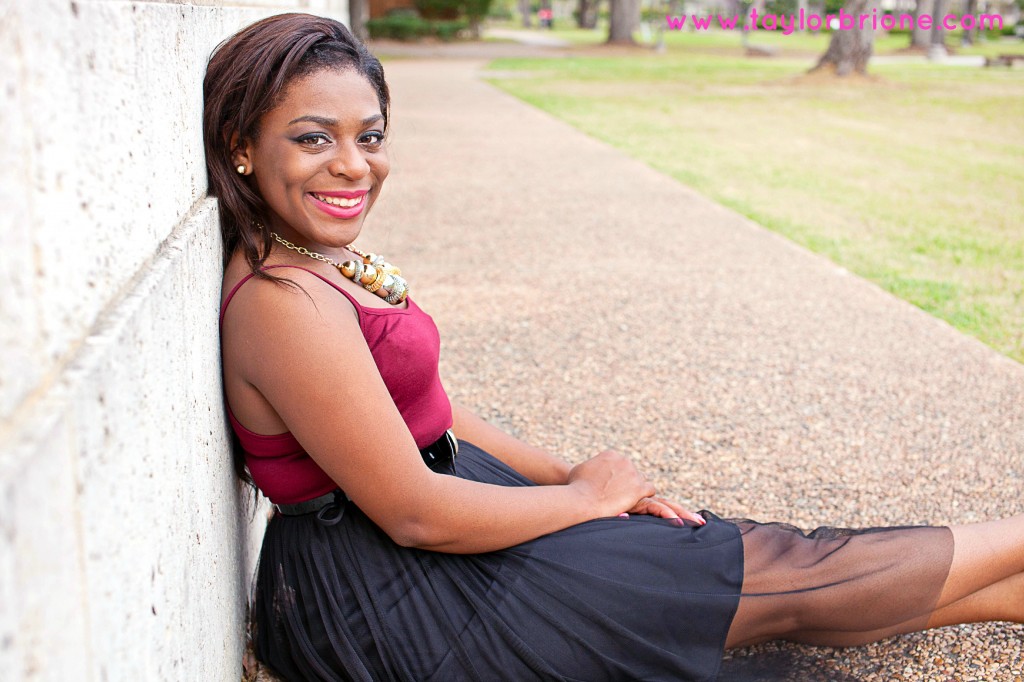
(610, 599)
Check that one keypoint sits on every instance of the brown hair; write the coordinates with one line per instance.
(247, 75)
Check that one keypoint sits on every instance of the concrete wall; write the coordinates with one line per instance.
(125, 544)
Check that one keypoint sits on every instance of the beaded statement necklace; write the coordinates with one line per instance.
(373, 273)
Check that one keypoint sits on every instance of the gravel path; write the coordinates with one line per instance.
(614, 307)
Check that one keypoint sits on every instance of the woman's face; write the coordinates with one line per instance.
(320, 160)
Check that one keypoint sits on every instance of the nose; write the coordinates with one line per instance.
(349, 162)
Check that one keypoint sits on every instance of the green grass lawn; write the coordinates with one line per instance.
(914, 180)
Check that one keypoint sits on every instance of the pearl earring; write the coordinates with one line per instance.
(241, 170)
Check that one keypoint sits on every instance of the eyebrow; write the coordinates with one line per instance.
(333, 122)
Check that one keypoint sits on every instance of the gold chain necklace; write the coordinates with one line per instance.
(373, 273)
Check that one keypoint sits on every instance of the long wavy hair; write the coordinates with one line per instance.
(246, 77)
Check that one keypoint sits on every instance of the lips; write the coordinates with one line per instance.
(344, 204)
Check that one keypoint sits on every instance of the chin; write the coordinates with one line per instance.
(339, 235)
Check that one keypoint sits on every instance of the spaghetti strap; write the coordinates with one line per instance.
(231, 295)
(234, 289)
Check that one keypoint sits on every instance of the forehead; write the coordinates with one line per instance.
(341, 94)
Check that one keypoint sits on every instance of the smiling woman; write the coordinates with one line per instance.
(318, 168)
(317, 138)
(413, 541)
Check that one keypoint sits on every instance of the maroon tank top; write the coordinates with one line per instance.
(406, 347)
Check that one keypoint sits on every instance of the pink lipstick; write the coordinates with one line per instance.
(339, 204)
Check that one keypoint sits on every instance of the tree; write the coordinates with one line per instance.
(586, 13)
(476, 11)
(851, 47)
(921, 37)
(673, 11)
(937, 49)
(625, 17)
(358, 13)
(802, 7)
(524, 9)
(972, 33)
(750, 9)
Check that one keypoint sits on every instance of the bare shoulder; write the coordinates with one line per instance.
(296, 297)
(277, 334)
(295, 317)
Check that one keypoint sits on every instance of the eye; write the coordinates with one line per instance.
(372, 139)
(314, 140)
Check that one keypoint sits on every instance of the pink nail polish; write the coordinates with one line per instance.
(623, 515)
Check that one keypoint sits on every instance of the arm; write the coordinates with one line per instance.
(537, 465)
(313, 366)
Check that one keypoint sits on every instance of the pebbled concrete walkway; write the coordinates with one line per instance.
(587, 301)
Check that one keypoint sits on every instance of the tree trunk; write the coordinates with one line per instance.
(358, 13)
(673, 11)
(753, 9)
(625, 17)
(850, 48)
(524, 9)
(971, 33)
(937, 49)
(586, 13)
(673, 7)
(921, 37)
(817, 7)
(801, 6)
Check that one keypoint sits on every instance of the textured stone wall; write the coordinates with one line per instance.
(126, 546)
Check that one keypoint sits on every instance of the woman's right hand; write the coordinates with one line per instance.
(610, 482)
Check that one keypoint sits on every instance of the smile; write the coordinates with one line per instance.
(339, 201)
(338, 205)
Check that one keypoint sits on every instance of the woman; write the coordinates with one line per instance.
(414, 541)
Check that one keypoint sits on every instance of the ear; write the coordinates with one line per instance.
(240, 154)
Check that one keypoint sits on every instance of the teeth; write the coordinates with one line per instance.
(338, 201)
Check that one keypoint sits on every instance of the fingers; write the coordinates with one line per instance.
(683, 512)
(662, 508)
(654, 507)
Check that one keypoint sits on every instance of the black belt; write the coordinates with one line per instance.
(330, 507)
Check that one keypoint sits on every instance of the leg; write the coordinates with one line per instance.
(844, 590)
(984, 554)
(1002, 601)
